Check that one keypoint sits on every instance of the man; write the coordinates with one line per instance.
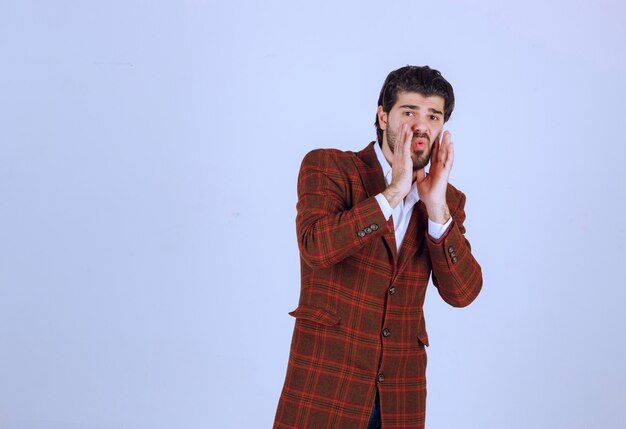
(372, 226)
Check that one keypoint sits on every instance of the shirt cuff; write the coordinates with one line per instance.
(436, 230)
(384, 205)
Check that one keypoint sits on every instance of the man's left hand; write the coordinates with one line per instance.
(432, 187)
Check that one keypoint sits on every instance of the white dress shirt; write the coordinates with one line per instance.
(402, 213)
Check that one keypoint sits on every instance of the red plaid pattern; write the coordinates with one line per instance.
(359, 323)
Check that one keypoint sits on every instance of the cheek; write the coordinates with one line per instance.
(397, 124)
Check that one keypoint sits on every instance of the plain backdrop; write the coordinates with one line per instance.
(149, 152)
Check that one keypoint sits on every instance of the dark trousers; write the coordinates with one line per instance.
(375, 422)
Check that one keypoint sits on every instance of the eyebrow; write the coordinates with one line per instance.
(413, 107)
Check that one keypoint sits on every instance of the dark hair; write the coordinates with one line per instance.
(423, 80)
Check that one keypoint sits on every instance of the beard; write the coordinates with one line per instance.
(420, 157)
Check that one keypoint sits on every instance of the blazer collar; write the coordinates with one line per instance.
(371, 171)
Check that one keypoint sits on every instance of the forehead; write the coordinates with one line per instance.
(406, 98)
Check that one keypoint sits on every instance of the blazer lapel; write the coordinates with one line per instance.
(374, 183)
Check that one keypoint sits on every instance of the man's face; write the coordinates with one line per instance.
(424, 115)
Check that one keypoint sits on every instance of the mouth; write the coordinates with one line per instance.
(419, 143)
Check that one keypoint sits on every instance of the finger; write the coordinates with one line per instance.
(450, 159)
(395, 155)
(400, 140)
(444, 148)
(434, 157)
(407, 137)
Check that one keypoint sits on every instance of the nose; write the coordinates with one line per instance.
(418, 125)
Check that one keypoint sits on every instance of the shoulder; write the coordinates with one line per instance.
(328, 155)
(454, 192)
(456, 203)
(455, 198)
(329, 159)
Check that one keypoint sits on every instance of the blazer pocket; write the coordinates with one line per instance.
(422, 337)
(315, 314)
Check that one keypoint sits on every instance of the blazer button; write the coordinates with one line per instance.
(368, 230)
(392, 290)
(454, 259)
(374, 227)
(450, 250)
(381, 378)
(386, 332)
(361, 233)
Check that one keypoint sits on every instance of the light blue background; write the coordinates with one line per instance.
(148, 160)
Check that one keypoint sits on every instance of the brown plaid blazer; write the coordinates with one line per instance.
(359, 323)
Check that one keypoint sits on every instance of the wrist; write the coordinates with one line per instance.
(393, 196)
(438, 213)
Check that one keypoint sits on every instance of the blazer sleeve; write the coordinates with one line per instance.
(331, 222)
(456, 273)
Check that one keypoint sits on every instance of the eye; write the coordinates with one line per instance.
(434, 118)
(408, 113)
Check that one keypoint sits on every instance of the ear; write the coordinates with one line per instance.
(382, 118)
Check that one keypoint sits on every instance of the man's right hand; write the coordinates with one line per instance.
(401, 168)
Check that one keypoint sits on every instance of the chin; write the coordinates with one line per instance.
(420, 163)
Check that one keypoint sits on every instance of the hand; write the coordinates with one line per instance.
(431, 187)
(401, 168)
